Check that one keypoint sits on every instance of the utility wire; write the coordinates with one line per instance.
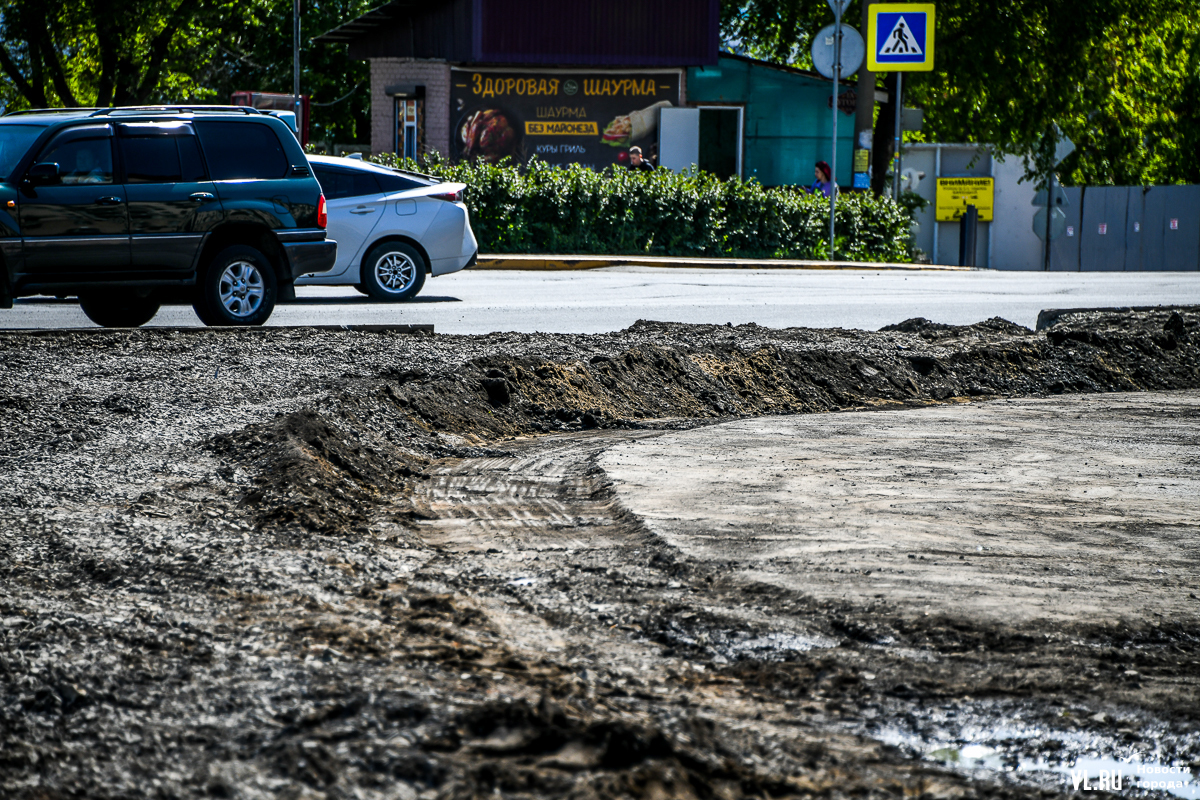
(346, 96)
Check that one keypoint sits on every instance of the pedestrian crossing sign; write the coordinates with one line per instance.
(900, 37)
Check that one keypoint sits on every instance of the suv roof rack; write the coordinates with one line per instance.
(103, 112)
(50, 111)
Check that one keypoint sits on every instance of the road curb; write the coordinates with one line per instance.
(259, 329)
(557, 263)
(1050, 316)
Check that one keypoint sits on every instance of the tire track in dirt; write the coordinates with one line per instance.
(548, 495)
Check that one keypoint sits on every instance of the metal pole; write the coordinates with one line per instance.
(864, 115)
(899, 114)
(1049, 216)
(937, 173)
(837, 67)
(296, 63)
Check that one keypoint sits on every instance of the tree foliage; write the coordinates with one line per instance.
(263, 62)
(776, 30)
(135, 52)
(1120, 78)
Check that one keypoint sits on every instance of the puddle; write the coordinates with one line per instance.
(778, 643)
(1072, 760)
(1082, 774)
(728, 646)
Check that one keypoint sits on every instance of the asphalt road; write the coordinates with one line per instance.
(596, 301)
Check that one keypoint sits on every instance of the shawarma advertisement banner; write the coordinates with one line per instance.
(588, 118)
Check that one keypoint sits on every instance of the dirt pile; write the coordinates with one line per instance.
(346, 564)
(710, 371)
(320, 474)
(315, 475)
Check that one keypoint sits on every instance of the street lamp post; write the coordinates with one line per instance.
(296, 61)
(837, 66)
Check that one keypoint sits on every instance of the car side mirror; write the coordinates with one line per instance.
(46, 172)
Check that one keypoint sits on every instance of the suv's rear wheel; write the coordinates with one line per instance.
(393, 271)
(238, 287)
(118, 309)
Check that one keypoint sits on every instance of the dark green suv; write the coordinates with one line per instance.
(130, 208)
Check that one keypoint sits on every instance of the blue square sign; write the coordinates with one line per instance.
(900, 37)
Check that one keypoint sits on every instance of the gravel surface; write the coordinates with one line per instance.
(346, 564)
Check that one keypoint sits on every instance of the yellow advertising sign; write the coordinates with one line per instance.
(955, 194)
(561, 129)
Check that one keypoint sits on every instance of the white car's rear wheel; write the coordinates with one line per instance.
(393, 271)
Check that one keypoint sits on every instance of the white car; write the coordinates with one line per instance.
(392, 228)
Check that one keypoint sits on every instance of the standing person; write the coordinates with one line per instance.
(824, 180)
(637, 162)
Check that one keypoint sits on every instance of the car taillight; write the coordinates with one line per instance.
(450, 197)
(322, 215)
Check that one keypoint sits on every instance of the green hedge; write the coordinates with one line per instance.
(544, 209)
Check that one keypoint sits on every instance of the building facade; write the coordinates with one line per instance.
(583, 82)
(781, 116)
(570, 83)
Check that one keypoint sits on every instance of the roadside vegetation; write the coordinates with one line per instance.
(544, 209)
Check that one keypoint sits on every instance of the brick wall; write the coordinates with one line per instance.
(434, 76)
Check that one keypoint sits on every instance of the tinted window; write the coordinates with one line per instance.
(336, 183)
(400, 183)
(189, 158)
(161, 159)
(151, 159)
(14, 142)
(80, 160)
(236, 150)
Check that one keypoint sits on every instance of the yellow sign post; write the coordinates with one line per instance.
(955, 194)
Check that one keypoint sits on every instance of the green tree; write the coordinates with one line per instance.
(105, 52)
(775, 30)
(1120, 78)
(1139, 118)
(135, 52)
(262, 61)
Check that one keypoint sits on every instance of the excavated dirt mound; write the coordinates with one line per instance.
(711, 371)
(281, 563)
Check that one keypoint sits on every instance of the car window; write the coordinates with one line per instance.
(14, 143)
(190, 161)
(150, 159)
(240, 150)
(400, 183)
(161, 159)
(336, 183)
(80, 160)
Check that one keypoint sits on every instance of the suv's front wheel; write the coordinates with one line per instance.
(238, 287)
(113, 309)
